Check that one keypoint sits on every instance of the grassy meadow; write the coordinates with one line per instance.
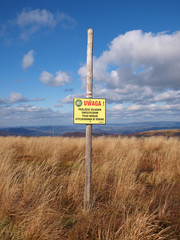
(135, 189)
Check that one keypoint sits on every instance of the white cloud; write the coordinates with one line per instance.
(16, 98)
(32, 115)
(118, 107)
(28, 60)
(31, 21)
(137, 58)
(138, 69)
(65, 20)
(58, 105)
(36, 18)
(168, 96)
(60, 78)
(149, 112)
(140, 73)
(69, 98)
(135, 107)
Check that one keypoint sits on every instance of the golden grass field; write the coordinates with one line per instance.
(135, 189)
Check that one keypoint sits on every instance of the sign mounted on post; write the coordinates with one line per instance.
(89, 111)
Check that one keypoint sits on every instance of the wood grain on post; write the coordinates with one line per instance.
(88, 157)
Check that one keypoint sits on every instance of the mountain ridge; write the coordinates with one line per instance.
(98, 130)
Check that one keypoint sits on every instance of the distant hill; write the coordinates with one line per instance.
(20, 132)
(98, 130)
(165, 133)
(4, 133)
(74, 134)
(83, 134)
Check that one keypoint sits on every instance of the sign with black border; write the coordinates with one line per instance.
(89, 111)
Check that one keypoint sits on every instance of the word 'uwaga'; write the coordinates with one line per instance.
(92, 103)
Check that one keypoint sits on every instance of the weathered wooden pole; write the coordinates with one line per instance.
(88, 157)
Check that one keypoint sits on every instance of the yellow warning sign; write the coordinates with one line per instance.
(89, 111)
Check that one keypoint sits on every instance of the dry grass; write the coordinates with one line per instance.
(135, 189)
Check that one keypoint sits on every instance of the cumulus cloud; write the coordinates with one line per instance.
(30, 21)
(60, 78)
(139, 62)
(69, 98)
(36, 18)
(143, 59)
(28, 60)
(168, 96)
(155, 112)
(32, 115)
(140, 73)
(16, 97)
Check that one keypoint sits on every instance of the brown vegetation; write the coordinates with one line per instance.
(135, 189)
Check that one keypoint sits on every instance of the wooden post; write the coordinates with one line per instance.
(88, 157)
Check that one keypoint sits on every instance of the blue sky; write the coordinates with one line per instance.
(43, 59)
